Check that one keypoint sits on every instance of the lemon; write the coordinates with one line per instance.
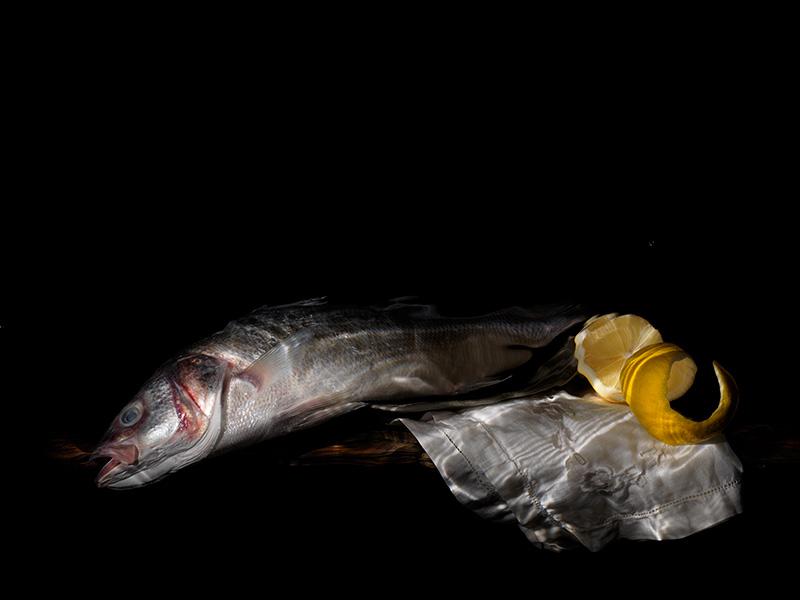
(606, 342)
(625, 360)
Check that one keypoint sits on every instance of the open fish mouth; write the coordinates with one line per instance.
(120, 456)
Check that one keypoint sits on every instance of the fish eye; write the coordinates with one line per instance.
(130, 416)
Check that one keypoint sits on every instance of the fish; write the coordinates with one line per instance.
(286, 368)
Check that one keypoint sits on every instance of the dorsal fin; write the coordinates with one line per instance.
(318, 301)
(417, 311)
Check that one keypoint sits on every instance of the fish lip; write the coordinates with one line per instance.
(120, 456)
(106, 474)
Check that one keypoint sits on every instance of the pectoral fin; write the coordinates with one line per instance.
(278, 362)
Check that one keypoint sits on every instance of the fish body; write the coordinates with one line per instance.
(281, 369)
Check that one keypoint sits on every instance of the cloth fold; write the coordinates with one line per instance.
(578, 470)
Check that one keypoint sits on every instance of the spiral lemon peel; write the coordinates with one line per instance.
(626, 361)
(645, 378)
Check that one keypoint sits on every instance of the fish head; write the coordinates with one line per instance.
(172, 421)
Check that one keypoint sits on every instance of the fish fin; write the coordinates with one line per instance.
(416, 385)
(318, 301)
(434, 385)
(487, 382)
(557, 366)
(569, 312)
(414, 310)
(416, 407)
(279, 361)
(310, 302)
(318, 410)
(545, 311)
(404, 300)
(431, 403)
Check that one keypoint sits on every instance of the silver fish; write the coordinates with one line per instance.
(285, 368)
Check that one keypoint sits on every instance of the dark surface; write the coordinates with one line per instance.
(249, 511)
(156, 213)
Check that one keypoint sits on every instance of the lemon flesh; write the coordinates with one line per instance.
(606, 342)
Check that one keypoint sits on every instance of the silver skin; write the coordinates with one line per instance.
(285, 368)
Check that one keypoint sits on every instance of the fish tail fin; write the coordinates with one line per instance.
(553, 371)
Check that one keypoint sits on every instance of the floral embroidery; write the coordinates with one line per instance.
(605, 481)
(555, 412)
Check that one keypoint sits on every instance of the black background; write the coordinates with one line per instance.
(155, 206)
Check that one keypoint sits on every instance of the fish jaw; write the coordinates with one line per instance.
(120, 457)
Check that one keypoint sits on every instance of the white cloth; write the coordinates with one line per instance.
(570, 469)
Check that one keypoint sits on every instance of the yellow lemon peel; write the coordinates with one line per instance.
(645, 382)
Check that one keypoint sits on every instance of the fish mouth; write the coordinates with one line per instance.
(120, 456)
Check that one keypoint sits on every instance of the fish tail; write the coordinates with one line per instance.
(554, 371)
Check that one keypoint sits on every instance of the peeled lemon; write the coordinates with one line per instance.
(603, 346)
(625, 360)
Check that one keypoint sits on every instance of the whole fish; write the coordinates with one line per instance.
(284, 368)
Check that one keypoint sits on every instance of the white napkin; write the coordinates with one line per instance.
(579, 470)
